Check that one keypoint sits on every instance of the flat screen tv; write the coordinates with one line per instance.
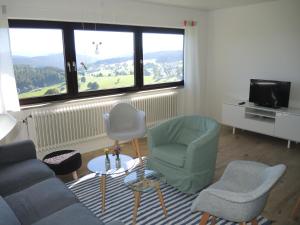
(270, 93)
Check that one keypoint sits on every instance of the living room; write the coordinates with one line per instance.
(221, 46)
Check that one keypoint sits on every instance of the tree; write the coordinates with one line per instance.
(83, 79)
(93, 86)
(29, 78)
(52, 91)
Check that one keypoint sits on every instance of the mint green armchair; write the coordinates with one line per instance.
(184, 151)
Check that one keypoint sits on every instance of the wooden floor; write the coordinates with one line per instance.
(249, 146)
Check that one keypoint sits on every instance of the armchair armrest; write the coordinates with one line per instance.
(202, 152)
(157, 135)
(16, 152)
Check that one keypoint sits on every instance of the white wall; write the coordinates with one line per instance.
(255, 41)
(103, 11)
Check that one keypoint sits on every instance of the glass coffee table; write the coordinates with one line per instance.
(141, 181)
(102, 168)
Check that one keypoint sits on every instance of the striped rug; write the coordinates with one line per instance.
(119, 203)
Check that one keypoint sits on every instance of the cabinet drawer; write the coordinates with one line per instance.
(259, 125)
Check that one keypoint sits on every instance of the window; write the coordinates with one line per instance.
(162, 58)
(38, 65)
(105, 60)
(64, 60)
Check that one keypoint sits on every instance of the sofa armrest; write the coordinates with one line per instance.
(16, 152)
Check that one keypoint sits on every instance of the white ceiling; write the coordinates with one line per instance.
(205, 4)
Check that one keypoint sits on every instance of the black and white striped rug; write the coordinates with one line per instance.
(120, 201)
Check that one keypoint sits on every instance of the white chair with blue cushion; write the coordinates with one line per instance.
(241, 193)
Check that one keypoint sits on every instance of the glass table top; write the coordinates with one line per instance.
(111, 166)
(142, 180)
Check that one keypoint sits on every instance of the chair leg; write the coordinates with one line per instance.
(296, 210)
(254, 222)
(204, 218)
(138, 149)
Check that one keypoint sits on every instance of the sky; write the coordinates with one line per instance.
(38, 42)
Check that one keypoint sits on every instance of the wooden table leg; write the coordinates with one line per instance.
(102, 189)
(75, 175)
(137, 199)
(161, 199)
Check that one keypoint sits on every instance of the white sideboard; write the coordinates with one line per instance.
(282, 123)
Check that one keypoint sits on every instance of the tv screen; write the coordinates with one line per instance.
(270, 93)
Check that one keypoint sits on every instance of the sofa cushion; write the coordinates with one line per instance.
(7, 216)
(75, 214)
(171, 153)
(19, 176)
(40, 200)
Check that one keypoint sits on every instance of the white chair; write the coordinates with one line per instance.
(124, 122)
(241, 193)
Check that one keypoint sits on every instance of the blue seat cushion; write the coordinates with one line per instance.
(40, 200)
(75, 214)
(18, 176)
(7, 216)
(174, 154)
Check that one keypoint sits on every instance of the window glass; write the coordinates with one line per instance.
(38, 59)
(105, 60)
(162, 58)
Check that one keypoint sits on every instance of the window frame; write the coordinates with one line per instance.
(68, 29)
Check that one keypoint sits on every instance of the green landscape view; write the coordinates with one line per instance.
(34, 79)
(105, 60)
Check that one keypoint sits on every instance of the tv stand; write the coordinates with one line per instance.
(280, 122)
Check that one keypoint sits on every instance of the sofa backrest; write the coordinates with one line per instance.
(192, 127)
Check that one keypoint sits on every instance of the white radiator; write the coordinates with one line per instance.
(59, 126)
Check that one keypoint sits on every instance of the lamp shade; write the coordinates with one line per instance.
(7, 123)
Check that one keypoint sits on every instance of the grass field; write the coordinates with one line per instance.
(103, 82)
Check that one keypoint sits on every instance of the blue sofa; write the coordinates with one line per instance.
(30, 194)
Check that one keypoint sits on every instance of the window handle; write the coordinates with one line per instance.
(74, 66)
(69, 67)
